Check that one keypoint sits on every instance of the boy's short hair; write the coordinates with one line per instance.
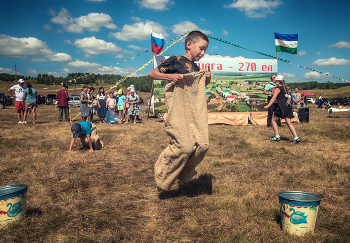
(194, 37)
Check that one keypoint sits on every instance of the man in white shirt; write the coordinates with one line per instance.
(17, 91)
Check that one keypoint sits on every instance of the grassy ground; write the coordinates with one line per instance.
(110, 195)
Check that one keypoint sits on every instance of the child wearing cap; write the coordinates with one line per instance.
(87, 133)
(17, 91)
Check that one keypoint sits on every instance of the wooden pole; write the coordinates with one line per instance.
(150, 98)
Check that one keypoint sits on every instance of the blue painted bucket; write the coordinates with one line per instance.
(299, 211)
(12, 203)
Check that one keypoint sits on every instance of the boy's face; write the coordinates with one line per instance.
(197, 50)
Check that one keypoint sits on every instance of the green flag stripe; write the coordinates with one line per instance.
(286, 49)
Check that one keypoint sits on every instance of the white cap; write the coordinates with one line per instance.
(132, 90)
(20, 80)
(279, 77)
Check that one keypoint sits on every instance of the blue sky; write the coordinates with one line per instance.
(60, 37)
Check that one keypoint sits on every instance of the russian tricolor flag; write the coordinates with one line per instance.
(157, 42)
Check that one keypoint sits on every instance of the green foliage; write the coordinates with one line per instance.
(329, 85)
(212, 96)
(230, 106)
(310, 85)
(143, 83)
(11, 77)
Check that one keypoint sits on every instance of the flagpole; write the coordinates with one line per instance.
(277, 61)
(150, 98)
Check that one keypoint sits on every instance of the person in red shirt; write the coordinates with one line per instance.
(62, 103)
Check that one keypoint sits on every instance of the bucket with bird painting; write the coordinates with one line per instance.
(12, 203)
(299, 211)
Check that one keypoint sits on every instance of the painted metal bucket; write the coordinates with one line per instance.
(299, 211)
(12, 203)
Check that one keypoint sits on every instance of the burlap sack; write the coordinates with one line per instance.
(95, 140)
(187, 127)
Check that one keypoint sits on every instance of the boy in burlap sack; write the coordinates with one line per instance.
(187, 120)
(87, 133)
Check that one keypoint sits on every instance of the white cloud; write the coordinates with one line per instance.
(32, 72)
(202, 19)
(47, 27)
(136, 19)
(136, 47)
(315, 75)
(84, 65)
(287, 75)
(9, 71)
(88, 56)
(139, 31)
(91, 22)
(34, 59)
(318, 53)
(52, 12)
(60, 31)
(129, 52)
(185, 26)
(115, 70)
(23, 47)
(255, 8)
(66, 71)
(63, 18)
(159, 5)
(331, 62)
(341, 44)
(91, 45)
(67, 42)
(95, 67)
(119, 56)
(225, 32)
(301, 53)
(60, 57)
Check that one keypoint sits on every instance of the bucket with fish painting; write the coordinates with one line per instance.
(298, 211)
(12, 203)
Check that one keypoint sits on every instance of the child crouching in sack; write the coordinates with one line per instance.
(87, 133)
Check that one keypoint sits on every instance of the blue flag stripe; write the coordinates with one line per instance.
(286, 37)
(157, 42)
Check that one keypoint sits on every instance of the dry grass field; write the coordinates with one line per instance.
(110, 195)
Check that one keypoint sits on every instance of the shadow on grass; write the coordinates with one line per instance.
(193, 188)
(34, 212)
(277, 217)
